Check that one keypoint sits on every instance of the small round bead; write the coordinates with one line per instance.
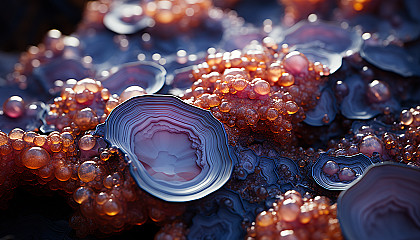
(35, 157)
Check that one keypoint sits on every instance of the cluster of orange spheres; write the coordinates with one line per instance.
(295, 217)
(386, 143)
(264, 88)
(180, 13)
(94, 176)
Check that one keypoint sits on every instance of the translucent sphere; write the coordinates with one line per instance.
(132, 91)
(84, 118)
(378, 91)
(14, 107)
(371, 144)
(35, 157)
(87, 171)
(82, 194)
(296, 63)
(111, 207)
(330, 168)
(289, 210)
(87, 142)
(264, 219)
(346, 174)
(286, 80)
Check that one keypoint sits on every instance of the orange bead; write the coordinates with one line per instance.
(40, 140)
(16, 133)
(262, 87)
(291, 107)
(286, 80)
(87, 142)
(35, 157)
(111, 207)
(264, 219)
(63, 173)
(4, 139)
(82, 194)
(29, 136)
(87, 171)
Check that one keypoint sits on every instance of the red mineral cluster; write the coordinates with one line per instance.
(263, 89)
(295, 217)
(94, 177)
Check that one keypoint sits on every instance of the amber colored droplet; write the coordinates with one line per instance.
(111, 104)
(35, 157)
(101, 198)
(262, 87)
(87, 142)
(378, 91)
(132, 91)
(289, 210)
(29, 137)
(305, 216)
(16, 133)
(46, 171)
(82, 97)
(264, 219)
(84, 118)
(67, 139)
(40, 140)
(86, 84)
(63, 173)
(56, 147)
(296, 63)
(272, 114)
(18, 144)
(105, 94)
(4, 139)
(239, 84)
(111, 207)
(87, 171)
(406, 117)
(5, 149)
(291, 107)
(82, 194)
(286, 80)
(225, 107)
(104, 156)
(108, 181)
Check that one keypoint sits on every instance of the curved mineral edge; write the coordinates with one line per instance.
(382, 204)
(176, 151)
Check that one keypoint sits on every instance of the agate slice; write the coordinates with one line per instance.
(177, 152)
(127, 18)
(324, 176)
(383, 204)
(148, 75)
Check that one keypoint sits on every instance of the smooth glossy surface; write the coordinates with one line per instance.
(127, 18)
(177, 152)
(391, 58)
(148, 75)
(383, 204)
(328, 36)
